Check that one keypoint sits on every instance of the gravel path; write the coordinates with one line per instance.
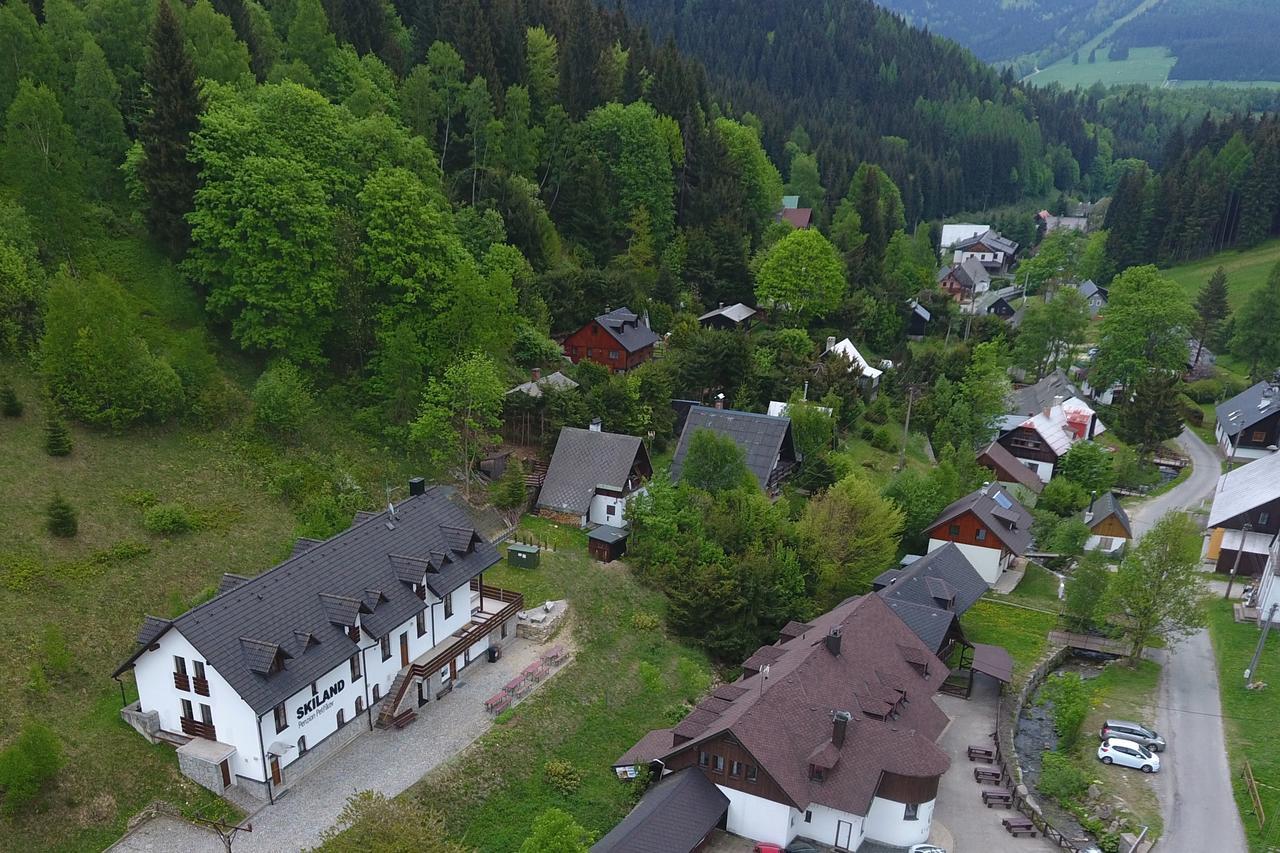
(384, 760)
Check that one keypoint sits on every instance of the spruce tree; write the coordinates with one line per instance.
(57, 438)
(10, 405)
(61, 517)
(173, 108)
(1211, 310)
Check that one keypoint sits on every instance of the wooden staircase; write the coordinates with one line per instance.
(389, 714)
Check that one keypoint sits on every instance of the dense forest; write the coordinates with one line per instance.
(1212, 39)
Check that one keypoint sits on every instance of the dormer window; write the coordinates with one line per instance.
(277, 665)
(817, 774)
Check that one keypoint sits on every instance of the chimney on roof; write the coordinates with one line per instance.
(596, 425)
(839, 726)
(417, 486)
(831, 342)
(536, 373)
(832, 641)
(720, 401)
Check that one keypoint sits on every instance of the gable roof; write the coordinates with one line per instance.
(735, 313)
(920, 310)
(298, 611)
(1029, 399)
(958, 232)
(849, 351)
(942, 573)
(1006, 466)
(883, 675)
(627, 329)
(799, 217)
(584, 460)
(790, 201)
(998, 510)
(763, 439)
(672, 816)
(991, 239)
(970, 273)
(930, 624)
(988, 300)
(1254, 404)
(1107, 506)
(536, 387)
(1055, 428)
(1089, 289)
(1245, 488)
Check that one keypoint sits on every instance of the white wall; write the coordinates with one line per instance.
(1044, 470)
(233, 719)
(885, 823)
(987, 561)
(823, 826)
(599, 514)
(1094, 543)
(757, 818)
(321, 720)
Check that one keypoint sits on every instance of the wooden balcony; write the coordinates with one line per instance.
(201, 685)
(181, 681)
(195, 728)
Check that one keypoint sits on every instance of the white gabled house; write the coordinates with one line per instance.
(277, 672)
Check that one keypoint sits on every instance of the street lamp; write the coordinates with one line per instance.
(1235, 564)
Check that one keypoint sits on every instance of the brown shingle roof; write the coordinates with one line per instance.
(996, 508)
(786, 720)
(1006, 466)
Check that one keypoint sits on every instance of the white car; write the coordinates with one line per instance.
(926, 848)
(1126, 753)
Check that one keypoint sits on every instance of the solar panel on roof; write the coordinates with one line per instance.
(1002, 499)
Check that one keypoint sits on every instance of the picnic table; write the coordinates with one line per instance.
(987, 774)
(498, 702)
(982, 753)
(997, 797)
(535, 671)
(1019, 825)
(516, 686)
(554, 655)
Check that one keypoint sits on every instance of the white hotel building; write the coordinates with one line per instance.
(277, 672)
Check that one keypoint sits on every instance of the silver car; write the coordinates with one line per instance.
(1135, 732)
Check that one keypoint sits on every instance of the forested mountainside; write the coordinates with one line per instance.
(1212, 39)
(999, 31)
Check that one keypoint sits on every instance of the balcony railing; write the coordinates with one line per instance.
(195, 728)
(181, 681)
(201, 685)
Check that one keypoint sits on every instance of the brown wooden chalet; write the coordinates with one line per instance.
(990, 527)
(620, 340)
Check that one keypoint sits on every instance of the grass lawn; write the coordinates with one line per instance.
(1250, 718)
(90, 593)
(628, 677)
(1149, 65)
(1038, 588)
(1246, 271)
(1128, 694)
(879, 465)
(1024, 632)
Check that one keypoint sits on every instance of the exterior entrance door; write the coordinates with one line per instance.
(404, 649)
(226, 774)
(423, 690)
(275, 770)
(844, 834)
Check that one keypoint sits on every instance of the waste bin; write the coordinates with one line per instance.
(495, 652)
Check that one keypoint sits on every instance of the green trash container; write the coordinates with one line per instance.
(524, 556)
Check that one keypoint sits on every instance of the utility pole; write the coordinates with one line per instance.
(1262, 641)
(906, 427)
(1235, 564)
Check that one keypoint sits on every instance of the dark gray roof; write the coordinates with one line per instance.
(1031, 399)
(735, 313)
(627, 329)
(230, 580)
(992, 239)
(671, 817)
(1011, 524)
(152, 628)
(917, 308)
(584, 459)
(535, 387)
(1005, 465)
(1254, 404)
(1106, 506)
(607, 533)
(298, 611)
(1088, 289)
(942, 574)
(303, 544)
(929, 623)
(763, 439)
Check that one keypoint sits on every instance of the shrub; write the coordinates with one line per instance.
(1070, 697)
(508, 492)
(1190, 412)
(167, 520)
(1204, 390)
(644, 621)
(10, 405)
(141, 498)
(1061, 779)
(867, 432)
(282, 401)
(61, 517)
(1068, 537)
(28, 764)
(1062, 497)
(57, 438)
(562, 775)
(1085, 589)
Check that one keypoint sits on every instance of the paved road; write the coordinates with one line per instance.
(1194, 784)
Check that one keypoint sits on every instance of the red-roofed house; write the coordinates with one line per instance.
(828, 735)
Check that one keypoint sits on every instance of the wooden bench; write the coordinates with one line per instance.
(996, 797)
(982, 753)
(535, 671)
(987, 774)
(516, 686)
(1019, 826)
(498, 702)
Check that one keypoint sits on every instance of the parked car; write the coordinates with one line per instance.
(1135, 732)
(1126, 753)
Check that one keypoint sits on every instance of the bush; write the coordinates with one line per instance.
(562, 775)
(95, 362)
(1061, 779)
(282, 401)
(1070, 697)
(28, 764)
(867, 432)
(1069, 537)
(1190, 412)
(883, 440)
(1062, 497)
(167, 520)
(10, 405)
(57, 438)
(61, 518)
(1085, 589)
(1204, 390)
(644, 621)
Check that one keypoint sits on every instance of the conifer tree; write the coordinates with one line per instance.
(1211, 310)
(57, 438)
(10, 405)
(1255, 340)
(173, 107)
(61, 518)
(95, 95)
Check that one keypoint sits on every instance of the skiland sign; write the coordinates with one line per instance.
(320, 702)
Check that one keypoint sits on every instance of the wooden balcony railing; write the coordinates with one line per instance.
(195, 728)
(201, 685)
(181, 681)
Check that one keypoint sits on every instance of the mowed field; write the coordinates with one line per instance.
(1246, 271)
(1145, 65)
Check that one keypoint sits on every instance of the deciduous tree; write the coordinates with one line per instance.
(715, 463)
(856, 531)
(802, 275)
(1158, 587)
(1144, 328)
(460, 415)
(1051, 332)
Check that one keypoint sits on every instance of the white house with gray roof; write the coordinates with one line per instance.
(277, 672)
(593, 475)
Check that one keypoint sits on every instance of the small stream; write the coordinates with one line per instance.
(1034, 736)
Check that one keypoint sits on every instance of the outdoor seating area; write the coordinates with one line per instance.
(997, 791)
(522, 685)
